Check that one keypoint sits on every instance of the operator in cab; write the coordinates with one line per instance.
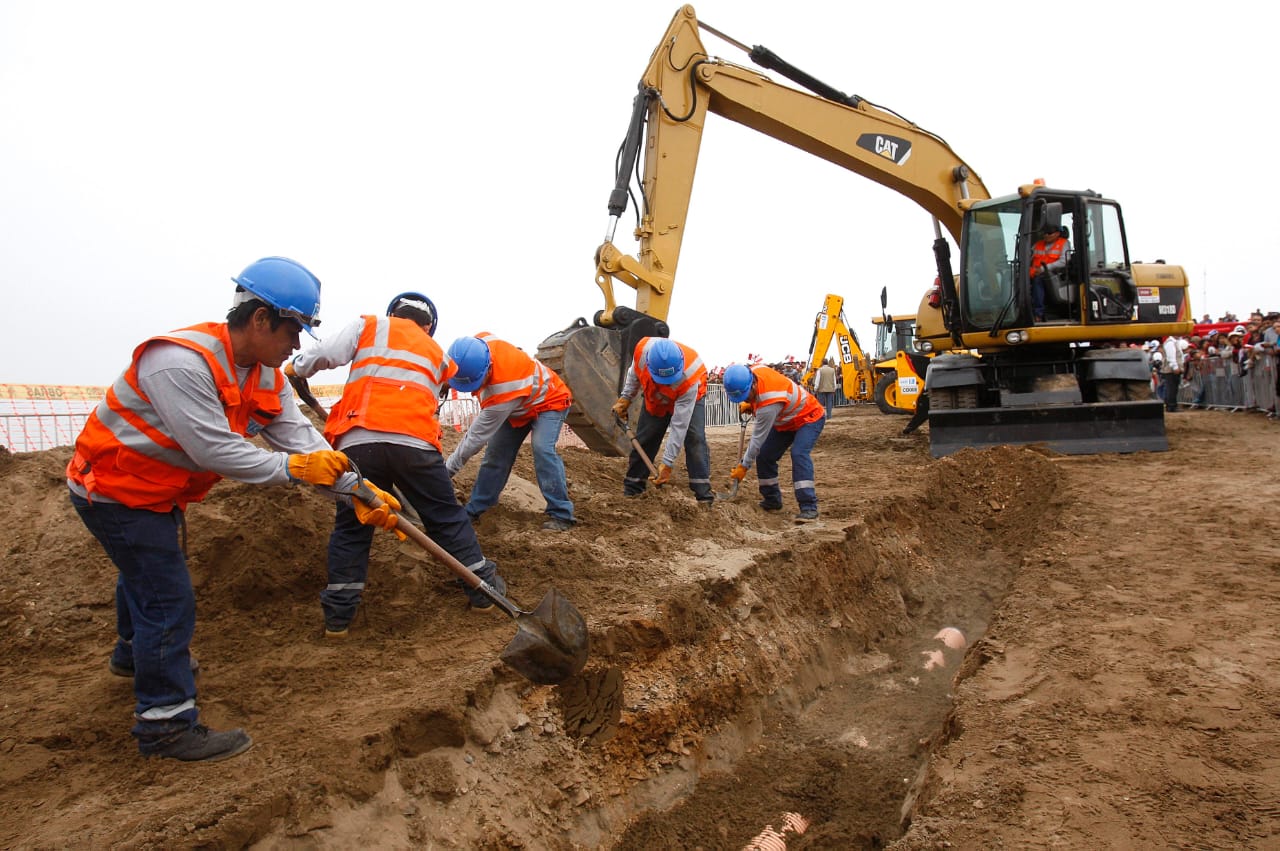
(1048, 254)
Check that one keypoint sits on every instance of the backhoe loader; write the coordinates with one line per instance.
(857, 375)
(1069, 380)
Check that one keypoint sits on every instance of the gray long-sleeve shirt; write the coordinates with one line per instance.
(338, 350)
(681, 416)
(181, 388)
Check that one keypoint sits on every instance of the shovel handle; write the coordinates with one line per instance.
(635, 444)
(439, 553)
(303, 390)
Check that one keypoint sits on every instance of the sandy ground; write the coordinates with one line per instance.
(999, 649)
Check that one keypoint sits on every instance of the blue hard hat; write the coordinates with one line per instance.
(737, 382)
(419, 303)
(286, 285)
(471, 354)
(665, 361)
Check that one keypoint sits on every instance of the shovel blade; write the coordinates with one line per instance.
(550, 644)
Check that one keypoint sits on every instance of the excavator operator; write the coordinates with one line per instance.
(1049, 254)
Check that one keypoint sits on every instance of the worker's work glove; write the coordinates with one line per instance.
(744, 409)
(664, 475)
(321, 467)
(383, 516)
(289, 371)
(621, 407)
(738, 473)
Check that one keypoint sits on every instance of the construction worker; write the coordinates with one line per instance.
(674, 384)
(787, 417)
(517, 396)
(1049, 254)
(387, 424)
(172, 425)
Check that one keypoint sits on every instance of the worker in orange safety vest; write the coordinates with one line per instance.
(1049, 253)
(518, 396)
(387, 422)
(673, 382)
(786, 417)
(178, 420)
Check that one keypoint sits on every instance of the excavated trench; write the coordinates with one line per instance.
(790, 695)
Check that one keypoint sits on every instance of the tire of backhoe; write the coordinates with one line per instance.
(883, 383)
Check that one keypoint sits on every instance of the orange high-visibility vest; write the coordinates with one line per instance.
(127, 453)
(394, 383)
(799, 407)
(660, 399)
(1047, 255)
(514, 375)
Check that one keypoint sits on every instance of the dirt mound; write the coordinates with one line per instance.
(742, 667)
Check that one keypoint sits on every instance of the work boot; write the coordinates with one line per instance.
(555, 524)
(489, 573)
(706, 504)
(336, 634)
(122, 665)
(200, 744)
(770, 506)
(806, 514)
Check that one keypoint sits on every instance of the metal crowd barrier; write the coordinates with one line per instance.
(1214, 382)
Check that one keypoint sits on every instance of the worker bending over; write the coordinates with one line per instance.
(787, 416)
(517, 395)
(387, 423)
(674, 384)
(173, 424)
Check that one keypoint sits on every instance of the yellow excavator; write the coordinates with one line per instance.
(1067, 378)
(857, 372)
(892, 376)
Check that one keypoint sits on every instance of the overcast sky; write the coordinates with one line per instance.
(149, 151)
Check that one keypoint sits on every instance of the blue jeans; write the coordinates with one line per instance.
(155, 613)
(800, 442)
(697, 455)
(422, 479)
(500, 456)
(828, 401)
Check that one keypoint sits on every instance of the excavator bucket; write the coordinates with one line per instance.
(589, 359)
(1083, 429)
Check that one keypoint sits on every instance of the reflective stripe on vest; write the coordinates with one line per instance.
(127, 453)
(394, 383)
(514, 375)
(799, 406)
(1047, 255)
(660, 399)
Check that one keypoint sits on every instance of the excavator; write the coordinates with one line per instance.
(1004, 370)
(856, 369)
(891, 376)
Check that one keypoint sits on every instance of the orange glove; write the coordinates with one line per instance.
(621, 407)
(738, 473)
(289, 371)
(321, 467)
(664, 475)
(744, 409)
(383, 516)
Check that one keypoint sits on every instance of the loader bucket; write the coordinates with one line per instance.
(1084, 429)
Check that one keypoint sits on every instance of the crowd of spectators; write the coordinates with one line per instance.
(1245, 348)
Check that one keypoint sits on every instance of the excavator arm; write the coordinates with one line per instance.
(857, 376)
(682, 83)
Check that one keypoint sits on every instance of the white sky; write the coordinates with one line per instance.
(150, 150)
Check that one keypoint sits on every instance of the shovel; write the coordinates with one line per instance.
(635, 444)
(742, 445)
(303, 389)
(550, 644)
